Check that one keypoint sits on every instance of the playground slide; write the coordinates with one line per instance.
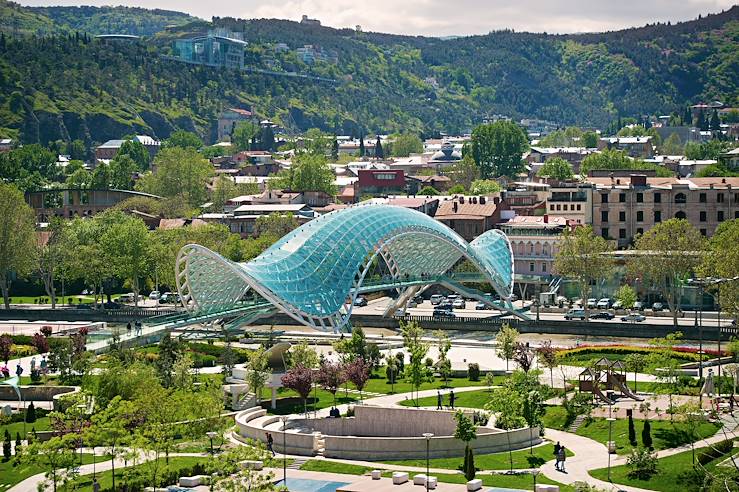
(597, 392)
(624, 388)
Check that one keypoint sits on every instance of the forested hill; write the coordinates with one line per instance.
(69, 86)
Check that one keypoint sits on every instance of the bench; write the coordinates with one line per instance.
(376, 474)
(251, 464)
(419, 479)
(473, 485)
(399, 478)
(193, 481)
(540, 487)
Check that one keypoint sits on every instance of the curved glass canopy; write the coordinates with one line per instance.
(315, 272)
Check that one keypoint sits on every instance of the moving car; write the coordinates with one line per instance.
(657, 306)
(459, 303)
(481, 306)
(154, 295)
(575, 314)
(412, 303)
(443, 313)
(638, 305)
(617, 305)
(602, 315)
(592, 302)
(635, 317)
(448, 305)
(604, 303)
(436, 299)
(360, 301)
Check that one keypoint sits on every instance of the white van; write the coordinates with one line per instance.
(436, 299)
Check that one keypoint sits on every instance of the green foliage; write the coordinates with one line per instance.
(497, 148)
(627, 295)
(275, 225)
(507, 403)
(308, 172)
(407, 144)
(183, 139)
(31, 413)
(556, 168)
(484, 187)
(717, 450)
(179, 173)
(137, 152)
(121, 171)
(707, 150)
(28, 167)
(473, 371)
(617, 160)
(646, 435)
(457, 189)
(429, 191)
(643, 463)
(722, 261)
(589, 140)
(469, 463)
(242, 135)
(632, 431)
(505, 342)
(17, 237)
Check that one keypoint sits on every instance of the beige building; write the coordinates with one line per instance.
(571, 201)
(626, 206)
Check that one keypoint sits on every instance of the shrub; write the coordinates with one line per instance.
(392, 375)
(642, 464)
(469, 463)
(31, 414)
(646, 435)
(632, 431)
(428, 362)
(719, 449)
(35, 376)
(6, 446)
(473, 371)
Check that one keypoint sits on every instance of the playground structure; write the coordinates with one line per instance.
(606, 375)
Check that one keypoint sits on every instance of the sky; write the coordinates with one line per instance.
(442, 17)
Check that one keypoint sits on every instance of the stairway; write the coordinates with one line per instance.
(297, 463)
(576, 424)
(320, 443)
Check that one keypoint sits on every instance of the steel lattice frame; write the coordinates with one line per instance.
(313, 274)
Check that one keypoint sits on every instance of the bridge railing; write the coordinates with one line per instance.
(390, 282)
(493, 321)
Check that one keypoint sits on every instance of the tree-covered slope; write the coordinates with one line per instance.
(67, 86)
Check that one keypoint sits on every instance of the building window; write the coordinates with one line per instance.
(622, 197)
(719, 198)
(622, 233)
(604, 216)
(604, 232)
(544, 267)
(639, 230)
(622, 216)
(558, 206)
(578, 207)
(704, 232)
(720, 216)
(564, 207)
(531, 266)
(551, 208)
(384, 176)
(658, 198)
(604, 198)
(680, 215)
(703, 216)
(680, 198)
(640, 197)
(657, 216)
(701, 198)
(639, 216)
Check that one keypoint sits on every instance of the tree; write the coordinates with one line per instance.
(547, 357)
(715, 123)
(524, 356)
(589, 140)
(556, 168)
(443, 365)
(722, 261)
(533, 410)
(632, 430)
(358, 372)
(242, 135)
(361, 146)
(379, 152)
(429, 191)
(672, 145)
(275, 224)
(111, 428)
(79, 179)
(17, 238)
(617, 160)
(7, 446)
(466, 431)
(463, 173)
(302, 354)
(308, 172)
(671, 251)
(181, 173)
(50, 257)
(484, 187)
(121, 169)
(223, 190)
(6, 344)
(415, 346)
(646, 435)
(666, 366)
(317, 143)
(627, 296)
(228, 474)
(184, 140)
(300, 379)
(127, 245)
(635, 363)
(56, 456)
(137, 152)
(508, 406)
(580, 257)
(353, 347)
(407, 144)
(391, 370)
(257, 371)
(505, 342)
(335, 150)
(40, 343)
(497, 148)
(100, 179)
(331, 376)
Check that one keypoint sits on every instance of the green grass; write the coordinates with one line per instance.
(523, 458)
(555, 418)
(468, 399)
(584, 359)
(11, 475)
(59, 299)
(667, 478)
(289, 401)
(520, 481)
(379, 384)
(41, 424)
(105, 479)
(665, 435)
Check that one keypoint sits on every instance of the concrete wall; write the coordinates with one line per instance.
(35, 393)
(251, 424)
(71, 314)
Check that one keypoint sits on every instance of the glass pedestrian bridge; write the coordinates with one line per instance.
(314, 273)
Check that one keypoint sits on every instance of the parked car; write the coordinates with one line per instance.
(617, 305)
(168, 298)
(638, 306)
(412, 303)
(436, 299)
(635, 317)
(154, 295)
(514, 297)
(399, 313)
(592, 302)
(561, 301)
(448, 305)
(112, 305)
(459, 303)
(575, 314)
(360, 301)
(657, 306)
(443, 313)
(604, 303)
(453, 297)
(602, 315)
(481, 306)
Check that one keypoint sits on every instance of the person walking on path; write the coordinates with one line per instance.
(439, 400)
(451, 399)
(44, 365)
(95, 485)
(33, 364)
(557, 447)
(128, 328)
(561, 459)
(270, 443)
(18, 370)
(138, 328)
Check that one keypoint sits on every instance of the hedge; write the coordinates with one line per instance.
(625, 350)
(718, 450)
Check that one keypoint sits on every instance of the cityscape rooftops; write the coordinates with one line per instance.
(466, 208)
(536, 221)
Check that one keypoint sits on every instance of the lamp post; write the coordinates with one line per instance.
(284, 450)
(535, 473)
(428, 437)
(610, 434)
(211, 435)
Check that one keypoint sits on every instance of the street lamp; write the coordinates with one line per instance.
(211, 435)
(534, 473)
(610, 420)
(284, 450)
(428, 437)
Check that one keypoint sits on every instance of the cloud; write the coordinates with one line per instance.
(443, 17)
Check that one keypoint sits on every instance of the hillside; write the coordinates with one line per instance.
(66, 86)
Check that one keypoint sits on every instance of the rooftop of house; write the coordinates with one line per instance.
(627, 140)
(466, 208)
(428, 179)
(668, 183)
(536, 221)
(177, 223)
(271, 207)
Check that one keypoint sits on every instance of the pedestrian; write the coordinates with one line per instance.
(18, 370)
(5, 371)
(128, 328)
(451, 399)
(557, 447)
(95, 485)
(138, 327)
(44, 364)
(438, 400)
(270, 443)
(33, 364)
(561, 458)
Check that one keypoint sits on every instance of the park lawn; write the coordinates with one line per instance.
(668, 476)
(519, 481)
(105, 479)
(665, 435)
(523, 458)
(11, 475)
(555, 417)
(379, 384)
(288, 401)
(466, 399)
(41, 424)
(585, 358)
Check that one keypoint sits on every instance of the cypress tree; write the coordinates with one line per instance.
(17, 441)
(646, 435)
(702, 122)
(632, 431)
(715, 121)
(469, 463)
(31, 413)
(6, 446)
(379, 154)
(335, 150)
(688, 117)
(361, 146)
